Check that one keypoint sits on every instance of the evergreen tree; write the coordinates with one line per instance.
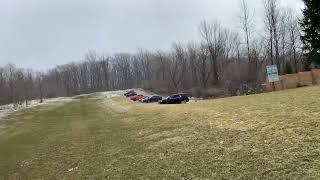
(311, 30)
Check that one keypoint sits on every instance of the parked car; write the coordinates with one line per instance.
(185, 97)
(127, 92)
(175, 99)
(136, 97)
(131, 94)
(143, 100)
(151, 99)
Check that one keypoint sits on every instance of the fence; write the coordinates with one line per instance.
(300, 79)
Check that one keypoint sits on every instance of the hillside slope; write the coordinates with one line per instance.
(272, 136)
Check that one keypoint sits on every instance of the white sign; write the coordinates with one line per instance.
(272, 72)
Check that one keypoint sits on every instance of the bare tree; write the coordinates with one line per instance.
(283, 40)
(192, 52)
(177, 66)
(10, 74)
(163, 65)
(272, 24)
(246, 21)
(122, 69)
(211, 33)
(203, 65)
(3, 84)
(105, 67)
(40, 77)
(237, 45)
(294, 36)
(28, 85)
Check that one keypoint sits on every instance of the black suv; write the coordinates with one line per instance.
(175, 99)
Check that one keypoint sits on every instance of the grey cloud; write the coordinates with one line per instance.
(43, 33)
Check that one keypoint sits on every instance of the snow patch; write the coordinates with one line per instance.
(8, 109)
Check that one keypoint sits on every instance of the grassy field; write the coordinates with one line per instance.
(267, 136)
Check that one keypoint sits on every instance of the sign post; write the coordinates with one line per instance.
(273, 75)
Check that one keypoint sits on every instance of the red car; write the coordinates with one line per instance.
(136, 97)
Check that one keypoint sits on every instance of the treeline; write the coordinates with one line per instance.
(19, 85)
(222, 63)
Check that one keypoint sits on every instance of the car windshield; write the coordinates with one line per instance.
(174, 96)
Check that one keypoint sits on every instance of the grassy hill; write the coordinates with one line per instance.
(269, 136)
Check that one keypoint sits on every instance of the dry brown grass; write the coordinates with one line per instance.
(267, 136)
(275, 132)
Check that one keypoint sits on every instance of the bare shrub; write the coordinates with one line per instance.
(214, 92)
(196, 92)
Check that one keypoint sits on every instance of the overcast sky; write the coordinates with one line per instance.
(40, 34)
